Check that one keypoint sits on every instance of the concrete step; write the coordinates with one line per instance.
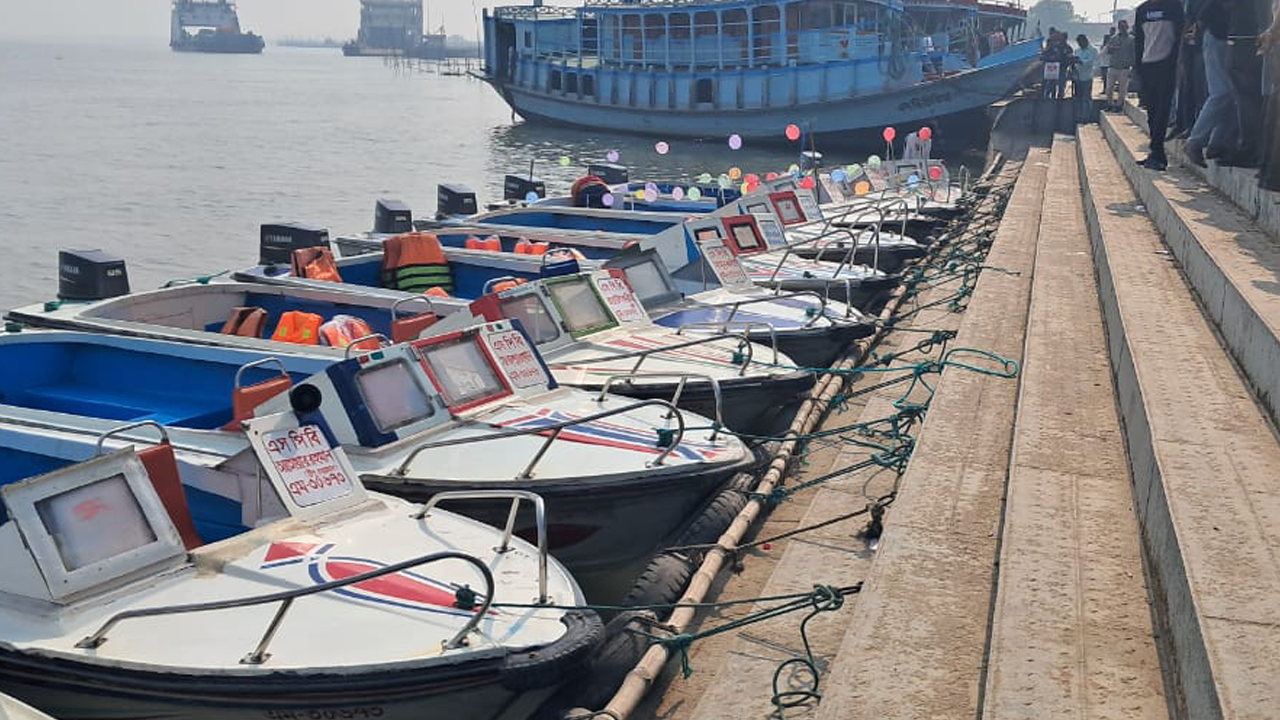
(1071, 633)
(1205, 463)
(1233, 266)
(916, 646)
(1237, 185)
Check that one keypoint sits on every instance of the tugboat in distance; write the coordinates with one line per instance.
(217, 29)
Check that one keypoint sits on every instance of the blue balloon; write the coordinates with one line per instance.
(532, 197)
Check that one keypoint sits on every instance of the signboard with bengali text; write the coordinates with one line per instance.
(621, 301)
(310, 471)
(516, 358)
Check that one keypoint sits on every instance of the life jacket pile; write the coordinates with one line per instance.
(492, 243)
(315, 263)
(415, 262)
(344, 330)
(300, 328)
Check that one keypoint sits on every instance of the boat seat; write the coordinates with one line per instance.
(245, 322)
(245, 400)
(109, 403)
(406, 329)
(162, 469)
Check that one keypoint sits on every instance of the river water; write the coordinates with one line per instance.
(173, 160)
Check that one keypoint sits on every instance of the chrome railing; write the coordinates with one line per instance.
(553, 432)
(284, 372)
(383, 341)
(684, 378)
(102, 439)
(642, 355)
(819, 314)
(259, 654)
(539, 515)
(745, 325)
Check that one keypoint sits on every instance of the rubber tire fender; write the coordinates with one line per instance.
(717, 515)
(608, 667)
(549, 665)
(663, 581)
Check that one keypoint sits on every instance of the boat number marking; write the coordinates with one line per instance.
(725, 265)
(307, 466)
(331, 714)
(621, 300)
(773, 235)
(810, 206)
(516, 358)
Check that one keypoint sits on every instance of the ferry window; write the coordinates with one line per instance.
(571, 82)
(767, 23)
(528, 39)
(655, 27)
(746, 237)
(789, 211)
(589, 85)
(532, 313)
(393, 396)
(581, 307)
(705, 91)
(735, 23)
(631, 36)
(646, 279)
(681, 26)
(705, 234)
(95, 522)
(555, 80)
(818, 14)
(463, 372)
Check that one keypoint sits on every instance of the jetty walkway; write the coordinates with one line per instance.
(1095, 537)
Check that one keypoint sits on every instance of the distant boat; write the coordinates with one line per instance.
(217, 29)
(745, 67)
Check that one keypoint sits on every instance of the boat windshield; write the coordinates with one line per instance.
(95, 522)
(394, 396)
(647, 280)
(746, 236)
(533, 315)
(581, 306)
(707, 234)
(462, 371)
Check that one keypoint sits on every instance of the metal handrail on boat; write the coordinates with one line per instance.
(395, 306)
(675, 398)
(235, 385)
(259, 654)
(745, 325)
(164, 434)
(539, 518)
(642, 355)
(383, 341)
(554, 429)
(875, 258)
(820, 314)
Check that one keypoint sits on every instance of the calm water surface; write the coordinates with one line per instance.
(173, 160)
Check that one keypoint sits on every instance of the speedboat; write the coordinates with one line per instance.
(809, 328)
(11, 709)
(408, 417)
(328, 601)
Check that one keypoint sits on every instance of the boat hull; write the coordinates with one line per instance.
(926, 101)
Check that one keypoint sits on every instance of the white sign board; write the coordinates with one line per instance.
(621, 301)
(516, 358)
(774, 235)
(307, 465)
(725, 265)
(809, 204)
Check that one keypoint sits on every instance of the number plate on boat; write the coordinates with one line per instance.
(512, 353)
(725, 265)
(812, 212)
(621, 300)
(311, 472)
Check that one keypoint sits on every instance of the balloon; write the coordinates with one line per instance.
(752, 178)
(613, 156)
(639, 194)
(726, 182)
(695, 194)
(650, 195)
(889, 134)
(873, 162)
(839, 175)
(913, 179)
(794, 169)
(532, 197)
(935, 173)
(746, 188)
(651, 187)
(735, 142)
(926, 132)
(793, 132)
(705, 178)
(662, 148)
(565, 161)
(607, 200)
(771, 176)
(678, 193)
(854, 170)
(735, 173)
(862, 188)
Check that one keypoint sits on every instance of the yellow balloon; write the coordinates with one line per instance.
(862, 188)
(639, 194)
(735, 173)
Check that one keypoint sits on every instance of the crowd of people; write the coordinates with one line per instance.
(1205, 70)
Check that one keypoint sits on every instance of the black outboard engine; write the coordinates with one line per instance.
(91, 275)
(455, 200)
(392, 217)
(518, 187)
(610, 173)
(277, 241)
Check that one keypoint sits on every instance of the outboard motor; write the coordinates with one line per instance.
(392, 217)
(455, 200)
(518, 187)
(277, 241)
(610, 173)
(91, 275)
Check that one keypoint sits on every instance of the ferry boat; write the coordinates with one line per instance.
(217, 29)
(716, 68)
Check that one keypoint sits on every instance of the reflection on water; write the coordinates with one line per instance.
(174, 159)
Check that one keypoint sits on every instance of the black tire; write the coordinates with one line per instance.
(714, 519)
(548, 665)
(663, 582)
(608, 667)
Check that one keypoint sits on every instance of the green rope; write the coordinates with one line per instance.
(198, 280)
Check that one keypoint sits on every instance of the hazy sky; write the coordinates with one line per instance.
(272, 18)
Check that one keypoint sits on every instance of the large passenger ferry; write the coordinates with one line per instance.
(708, 68)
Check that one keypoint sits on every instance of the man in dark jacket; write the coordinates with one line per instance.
(1158, 27)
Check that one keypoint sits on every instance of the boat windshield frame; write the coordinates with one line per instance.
(548, 287)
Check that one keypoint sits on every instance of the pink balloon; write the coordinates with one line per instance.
(807, 183)
(793, 132)
(926, 133)
(890, 134)
(935, 173)
(735, 142)
(752, 179)
(771, 176)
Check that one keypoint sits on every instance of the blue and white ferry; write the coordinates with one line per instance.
(708, 68)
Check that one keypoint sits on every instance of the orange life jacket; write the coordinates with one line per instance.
(437, 292)
(415, 262)
(245, 322)
(315, 263)
(298, 327)
(343, 330)
(507, 285)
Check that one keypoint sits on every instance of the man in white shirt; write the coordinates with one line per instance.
(1157, 33)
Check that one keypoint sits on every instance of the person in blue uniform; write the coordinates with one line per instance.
(1157, 31)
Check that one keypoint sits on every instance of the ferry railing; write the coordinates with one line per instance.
(745, 325)
(552, 432)
(539, 516)
(642, 355)
(683, 378)
(259, 654)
